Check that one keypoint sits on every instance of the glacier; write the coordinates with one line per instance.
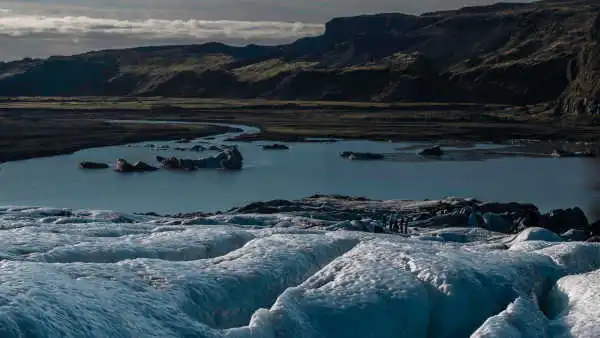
(85, 273)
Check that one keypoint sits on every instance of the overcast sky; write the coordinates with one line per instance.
(40, 28)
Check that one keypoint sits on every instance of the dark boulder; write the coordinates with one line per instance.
(362, 156)
(497, 223)
(142, 167)
(168, 163)
(228, 159)
(93, 165)
(233, 159)
(561, 220)
(512, 207)
(575, 235)
(267, 207)
(564, 153)
(123, 166)
(275, 146)
(433, 151)
(594, 229)
(126, 167)
(176, 163)
(152, 213)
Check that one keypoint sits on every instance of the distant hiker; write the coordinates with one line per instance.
(474, 217)
(390, 223)
(404, 225)
(395, 224)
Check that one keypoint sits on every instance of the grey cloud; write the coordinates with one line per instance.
(19, 25)
(314, 11)
(39, 28)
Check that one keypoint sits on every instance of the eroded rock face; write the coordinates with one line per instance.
(582, 97)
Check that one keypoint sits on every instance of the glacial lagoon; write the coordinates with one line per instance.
(305, 169)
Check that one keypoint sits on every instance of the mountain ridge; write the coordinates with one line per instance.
(506, 53)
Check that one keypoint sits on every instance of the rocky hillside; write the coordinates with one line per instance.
(504, 53)
(582, 97)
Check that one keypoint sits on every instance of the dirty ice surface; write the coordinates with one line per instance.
(82, 273)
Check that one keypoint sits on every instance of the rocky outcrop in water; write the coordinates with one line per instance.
(351, 155)
(275, 146)
(229, 159)
(125, 167)
(176, 163)
(564, 153)
(232, 159)
(433, 151)
(93, 165)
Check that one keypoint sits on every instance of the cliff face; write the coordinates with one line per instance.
(504, 53)
(582, 96)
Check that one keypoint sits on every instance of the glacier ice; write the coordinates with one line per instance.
(521, 319)
(574, 306)
(80, 273)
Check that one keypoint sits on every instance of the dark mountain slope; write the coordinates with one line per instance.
(582, 97)
(504, 53)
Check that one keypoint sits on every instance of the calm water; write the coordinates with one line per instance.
(306, 169)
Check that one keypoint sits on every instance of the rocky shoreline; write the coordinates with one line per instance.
(362, 214)
(27, 136)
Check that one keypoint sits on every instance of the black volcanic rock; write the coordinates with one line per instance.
(93, 165)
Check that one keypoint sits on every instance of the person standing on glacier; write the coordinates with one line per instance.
(474, 216)
(395, 223)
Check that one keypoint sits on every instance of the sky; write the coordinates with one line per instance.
(41, 28)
